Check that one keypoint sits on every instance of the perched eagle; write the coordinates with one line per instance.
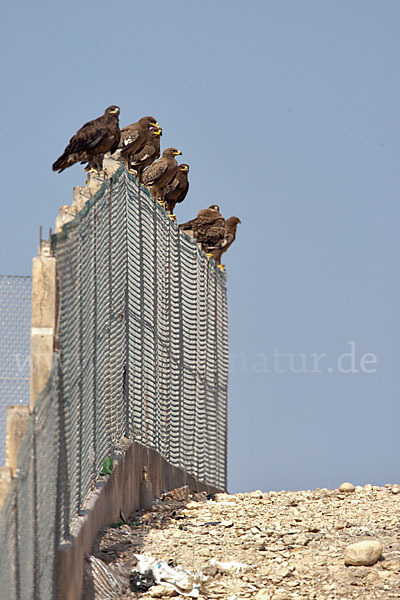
(142, 158)
(92, 141)
(135, 136)
(177, 190)
(208, 227)
(217, 249)
(158, 175)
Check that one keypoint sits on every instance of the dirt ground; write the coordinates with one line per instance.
(290, 545)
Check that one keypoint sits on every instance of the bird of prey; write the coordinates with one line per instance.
(135, 136)
(208, 227)
(91, 142)
(158, 175)
(142, 158)
(217, 249)
(178, 188)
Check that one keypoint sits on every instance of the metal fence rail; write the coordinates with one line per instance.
(143, 351)
(15, 323)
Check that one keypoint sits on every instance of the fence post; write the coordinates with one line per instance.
(17, 421)
(43, 319)
(5, 478)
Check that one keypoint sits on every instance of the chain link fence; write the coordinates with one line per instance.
(143, 338)
(15, 327)
(30, 524)
(143, 353)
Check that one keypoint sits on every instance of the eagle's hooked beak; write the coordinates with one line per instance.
(177, 153)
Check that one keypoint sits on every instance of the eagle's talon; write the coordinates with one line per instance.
(221, 268)
(209, 255)
(173, 218)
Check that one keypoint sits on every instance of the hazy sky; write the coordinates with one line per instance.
(288, 113)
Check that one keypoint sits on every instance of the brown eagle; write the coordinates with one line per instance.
(216, 250)
(92, 141)
(178, 188)
(208, 227)
(158, 175)
(135, 136)
(142, 158)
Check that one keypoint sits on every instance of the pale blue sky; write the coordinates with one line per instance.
(288, 114)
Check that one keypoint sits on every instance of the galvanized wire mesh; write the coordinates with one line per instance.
(143, 338)
(29, 527)
(142, 333)
(15, 323)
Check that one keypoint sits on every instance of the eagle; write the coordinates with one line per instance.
(208, 227)
(177, 190)
(142, 158)
(135, 136)
(91, 142)
(215, 250)
(158, 175)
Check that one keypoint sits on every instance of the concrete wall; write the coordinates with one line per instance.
(118, 492)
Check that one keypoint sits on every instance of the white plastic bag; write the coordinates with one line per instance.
(182, 581)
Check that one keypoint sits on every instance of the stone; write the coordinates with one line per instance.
(301, 540)
(177, 494)
(261, 546)
(227, 523)
(363, 553)
(395, 490)
(262, 594)
(346, 487)
(161, 591)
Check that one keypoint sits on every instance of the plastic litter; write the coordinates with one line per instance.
(141, 582)
(229, 567)
(177, 578)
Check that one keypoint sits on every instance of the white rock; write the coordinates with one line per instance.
(395, 490)
(226, 523)
(262, 594)
(161, 591)
(363, 553)
(346, 487)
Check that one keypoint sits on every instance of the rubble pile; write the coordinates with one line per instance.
(305, 545)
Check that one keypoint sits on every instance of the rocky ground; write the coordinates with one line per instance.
(291, 545)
